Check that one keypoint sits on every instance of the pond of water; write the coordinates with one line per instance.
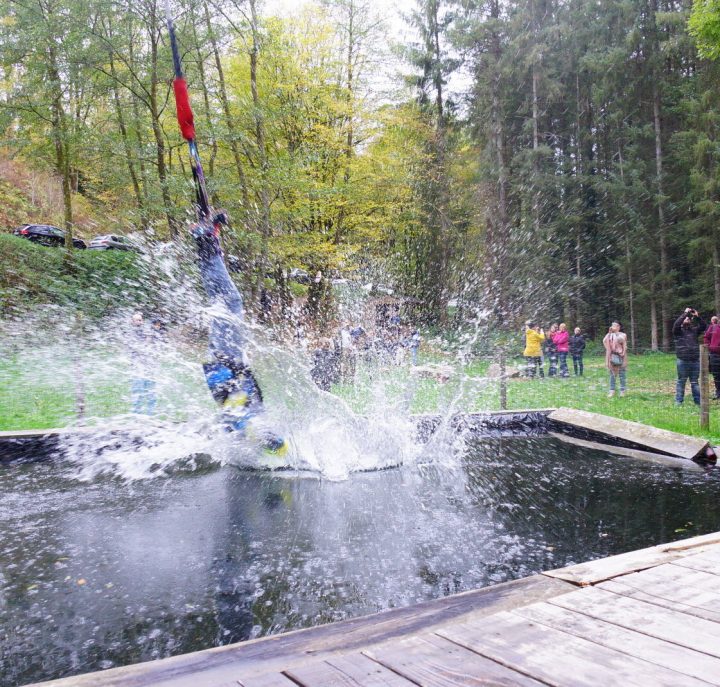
(111, 572)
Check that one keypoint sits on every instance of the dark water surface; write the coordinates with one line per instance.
(94, 575)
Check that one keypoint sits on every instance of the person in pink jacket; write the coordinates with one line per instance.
(712, 341)
(561, 339)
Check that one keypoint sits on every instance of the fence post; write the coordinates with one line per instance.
(78, 375)
(704, 388)
(503, 380)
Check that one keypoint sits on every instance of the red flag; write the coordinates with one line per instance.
(184, 111)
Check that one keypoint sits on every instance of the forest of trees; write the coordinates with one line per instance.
(535, 158)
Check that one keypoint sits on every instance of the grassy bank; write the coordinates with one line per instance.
(92, 282)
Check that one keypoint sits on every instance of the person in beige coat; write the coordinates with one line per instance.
(616, 357)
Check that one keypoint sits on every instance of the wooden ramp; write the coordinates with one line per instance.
(633, 435)
(647, 618)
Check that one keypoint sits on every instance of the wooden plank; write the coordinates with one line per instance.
(617, 587)
(709, 564)
(556, 657)
(626, 641)
(636, 454)
(432, 661)
(266, 680)
(674, 583)
(703, 543)
(354, 670)
(592, 572)
(650, 619)
(278, 652)
(677, 579)
(639, 435)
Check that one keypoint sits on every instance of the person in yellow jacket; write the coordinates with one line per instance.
(534, 336)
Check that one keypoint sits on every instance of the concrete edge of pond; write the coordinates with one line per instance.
(255, 660)
(592, 572)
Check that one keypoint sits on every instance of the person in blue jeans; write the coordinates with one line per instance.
(686, 330)
(142, 388)
(231, 382)
(616, 358)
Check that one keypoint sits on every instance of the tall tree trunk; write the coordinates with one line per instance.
(206, 101)
(653, 325)
(349, 100)
(655, 76)
(157, 129)
(631, 293)
(127, 147)
(716, 275)
(137, 129)
(441, 221)
(535, 157)
(628, 261)
(264, 194)
(229, 124)
(59, 128)
(662, 228)
(497, 217)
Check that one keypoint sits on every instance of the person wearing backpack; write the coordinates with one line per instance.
(615, 343)
(686, 330)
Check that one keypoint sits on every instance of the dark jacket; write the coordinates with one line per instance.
(549, 346)
(577, 344)
(687, 346)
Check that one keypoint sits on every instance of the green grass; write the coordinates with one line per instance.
(36, 396)
(650, 396)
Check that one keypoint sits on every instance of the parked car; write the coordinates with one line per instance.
(300, 276)
(46, 235)
(113, 242)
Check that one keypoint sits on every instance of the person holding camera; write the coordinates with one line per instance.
(686, 330)
(615, 343)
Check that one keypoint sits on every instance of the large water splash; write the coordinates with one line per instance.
(92, 367)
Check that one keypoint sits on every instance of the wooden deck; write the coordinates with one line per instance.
(649, 617)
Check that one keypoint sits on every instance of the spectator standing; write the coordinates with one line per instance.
(415, 340)
(551, 352)
(324, 367)
(347, 355)
(712, 341)
(561, 339)
(577, 347)
(534, 337)
(142, 388)
(615, 343)
(686, 330)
